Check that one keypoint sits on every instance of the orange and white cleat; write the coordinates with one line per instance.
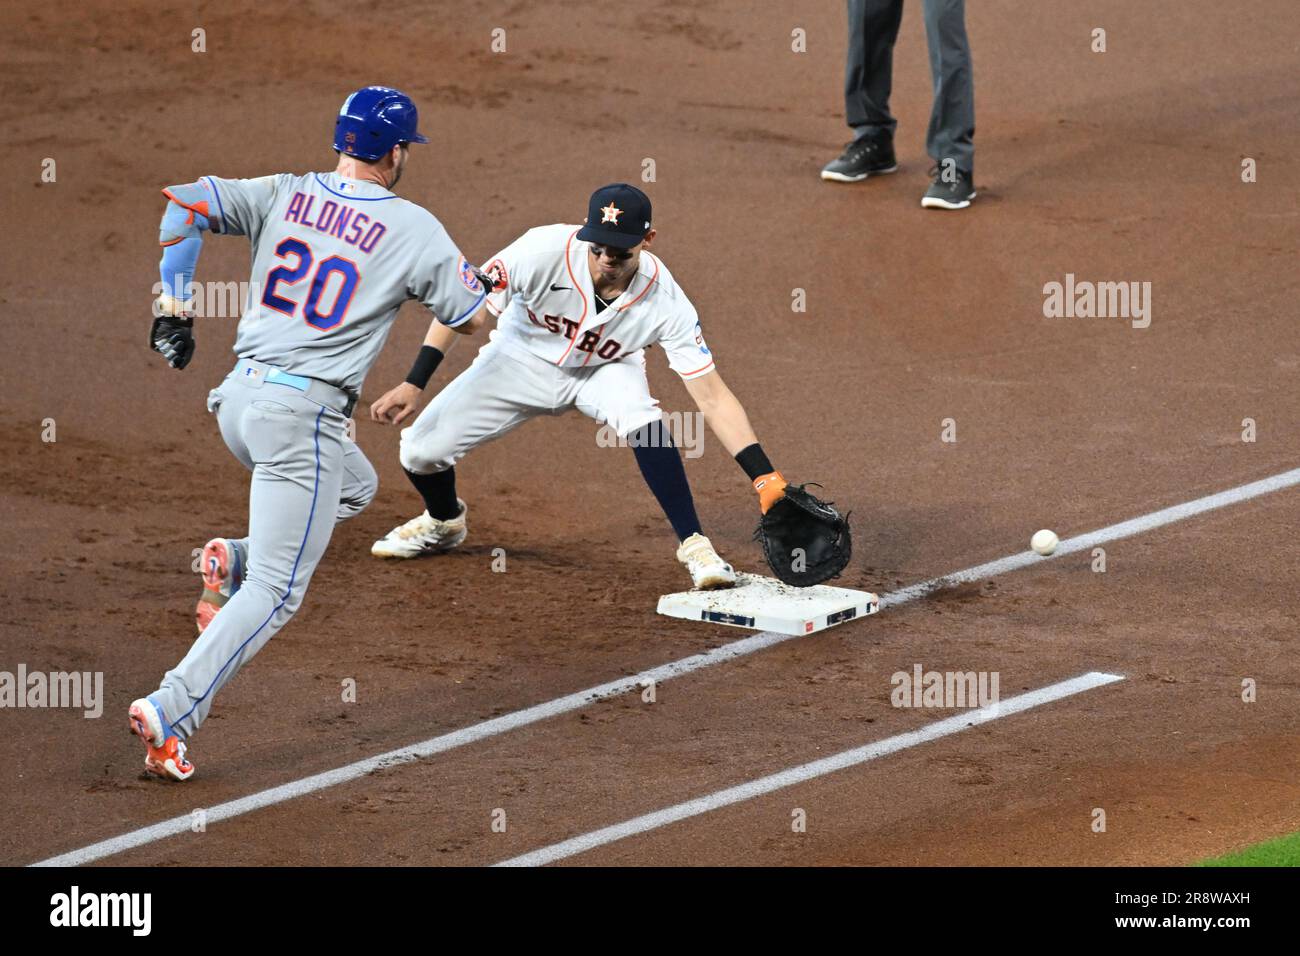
(164, 751)
(223, 573)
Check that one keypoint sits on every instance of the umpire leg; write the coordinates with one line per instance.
(951, 133)
(868, 74)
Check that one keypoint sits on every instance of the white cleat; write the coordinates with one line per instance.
(423, 535)
(708, 570)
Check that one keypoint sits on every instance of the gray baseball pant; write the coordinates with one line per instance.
(307, 476)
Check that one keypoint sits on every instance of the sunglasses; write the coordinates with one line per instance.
(609, 252)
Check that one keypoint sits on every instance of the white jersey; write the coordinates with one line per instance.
(546, 307)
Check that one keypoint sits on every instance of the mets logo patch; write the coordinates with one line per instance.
(468, 277)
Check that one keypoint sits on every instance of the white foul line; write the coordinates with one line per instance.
(810, 771)
(1114, 532)
(719, 655)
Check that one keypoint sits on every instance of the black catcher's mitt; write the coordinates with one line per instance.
(805, 540)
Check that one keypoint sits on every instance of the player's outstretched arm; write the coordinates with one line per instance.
(398, 404)
(726, 416)
(722, 410)
(805, 540)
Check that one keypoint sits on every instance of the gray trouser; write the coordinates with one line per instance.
(873, 28)
(306, 477)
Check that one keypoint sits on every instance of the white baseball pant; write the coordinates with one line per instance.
(506, 386)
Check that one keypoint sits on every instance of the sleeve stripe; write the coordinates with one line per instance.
(221, 209)
(464, 316)
(697, 371)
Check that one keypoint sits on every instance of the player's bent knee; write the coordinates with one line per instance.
(645, 427)
(283, 595)
(359, 492)
(367, 495)
(424, 459)
(354, 505)
(293, 601)
(269, 592)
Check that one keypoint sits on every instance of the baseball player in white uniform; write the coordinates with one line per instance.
(577, 307)
(334, 256)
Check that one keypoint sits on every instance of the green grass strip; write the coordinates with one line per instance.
(1284, 851)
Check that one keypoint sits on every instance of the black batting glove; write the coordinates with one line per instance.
(172, 336)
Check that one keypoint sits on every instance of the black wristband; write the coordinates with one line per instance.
(426, 363)
(754, 460)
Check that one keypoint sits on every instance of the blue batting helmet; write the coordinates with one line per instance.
(373, 120)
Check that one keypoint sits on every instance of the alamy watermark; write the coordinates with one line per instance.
(40, 689)
(1082, 299)
(953, 689)
(216, 300)
(130, 910)
(684, 430)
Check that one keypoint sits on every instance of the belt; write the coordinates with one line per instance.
(323, 393)
(278, 377)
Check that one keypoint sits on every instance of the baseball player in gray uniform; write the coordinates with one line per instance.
(334, 256)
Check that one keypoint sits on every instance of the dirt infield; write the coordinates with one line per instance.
(1116, 166)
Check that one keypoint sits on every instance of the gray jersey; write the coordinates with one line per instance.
(333, 259)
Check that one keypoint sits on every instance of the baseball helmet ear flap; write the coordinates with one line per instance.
(373, 120)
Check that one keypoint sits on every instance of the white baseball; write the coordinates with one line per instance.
(1044, 542)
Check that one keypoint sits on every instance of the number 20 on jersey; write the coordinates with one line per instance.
(336, 295)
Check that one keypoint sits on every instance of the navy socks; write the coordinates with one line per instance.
(439, 493)
(661, 466)
(656, 455)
